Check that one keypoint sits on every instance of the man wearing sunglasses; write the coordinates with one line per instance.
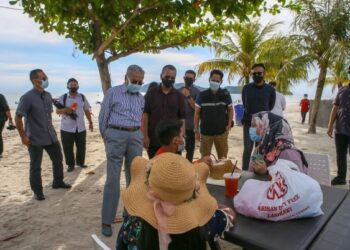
(256, 96)
(120, 123)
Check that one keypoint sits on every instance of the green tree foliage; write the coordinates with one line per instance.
(109, 30)
(325, 30)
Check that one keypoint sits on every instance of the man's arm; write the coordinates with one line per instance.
(197, 114)
(89, 118)
(20, 128)
(144, 129)
(105, 112)
(332, 119)
(229, 117)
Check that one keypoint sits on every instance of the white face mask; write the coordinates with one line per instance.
(214, 86)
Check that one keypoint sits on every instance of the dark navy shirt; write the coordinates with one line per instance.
(36, 107)
(342, 100)
(194, 92)
(256, 99)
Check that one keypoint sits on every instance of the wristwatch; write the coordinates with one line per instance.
(196, 130)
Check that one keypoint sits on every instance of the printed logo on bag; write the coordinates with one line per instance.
(278, 189)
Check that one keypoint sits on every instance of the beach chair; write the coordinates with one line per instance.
(99, 244)
(319, 168)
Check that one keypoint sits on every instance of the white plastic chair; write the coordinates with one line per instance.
(319, 168)
(99, 244)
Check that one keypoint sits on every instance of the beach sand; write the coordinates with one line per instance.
(66, 219)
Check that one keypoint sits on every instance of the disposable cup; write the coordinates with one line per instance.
(231, 184)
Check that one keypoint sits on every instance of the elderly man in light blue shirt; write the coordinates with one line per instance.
(119, 123)
(73, 131)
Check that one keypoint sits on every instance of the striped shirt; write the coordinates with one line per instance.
(119, 108)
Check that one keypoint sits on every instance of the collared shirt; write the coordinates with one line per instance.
(280, 104)
(342, 101)
(194, 92)
(257, 98)
(4, 107)
(36, 107)
(70, 125)
(160, 106)
(120, 108)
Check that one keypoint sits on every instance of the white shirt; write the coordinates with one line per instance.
(280, 104)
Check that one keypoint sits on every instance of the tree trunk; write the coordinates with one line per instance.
(317, 100)
(105, 77)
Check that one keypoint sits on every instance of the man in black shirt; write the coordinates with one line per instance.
(4, 115)
(256, 97)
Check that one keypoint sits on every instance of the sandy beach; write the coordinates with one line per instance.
(66, 219)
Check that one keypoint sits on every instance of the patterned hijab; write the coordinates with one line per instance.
(276, 135)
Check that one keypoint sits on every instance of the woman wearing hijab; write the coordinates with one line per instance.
(274, 139)
(170, 207)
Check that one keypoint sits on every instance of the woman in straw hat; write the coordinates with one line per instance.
(170, 207)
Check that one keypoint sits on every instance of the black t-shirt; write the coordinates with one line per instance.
(4, 107)
(256, 99)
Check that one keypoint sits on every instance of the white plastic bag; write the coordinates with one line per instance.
(289, 195)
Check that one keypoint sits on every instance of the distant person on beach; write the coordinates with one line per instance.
(190, 93)
(169, 206)
(162, 102)
(5, 114)
(39, 134)
(256, 97)
(304, 108)
(213, 117)
(340, 114)
(73, 131)
(280, 103)
(120, 123)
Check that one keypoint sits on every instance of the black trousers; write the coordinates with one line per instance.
(2, 125)
(36, 155)
(303, 116)
(68, 139)
(190, 144)
(341, 146)
(152, 150)
(248, 147)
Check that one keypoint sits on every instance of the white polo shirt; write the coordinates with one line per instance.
(280, 104)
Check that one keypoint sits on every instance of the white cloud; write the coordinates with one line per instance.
(16, 27)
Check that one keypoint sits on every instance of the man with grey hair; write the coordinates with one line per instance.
(120, 122)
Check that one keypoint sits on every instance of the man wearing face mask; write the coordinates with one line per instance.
(214, 113)
(256, 97)
(120, 127)
(340, 115)
(73, 131)
(190, 93)
(39, 133)
(161, 103)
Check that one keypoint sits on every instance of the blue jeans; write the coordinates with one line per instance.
(36, 155)
(119, 144)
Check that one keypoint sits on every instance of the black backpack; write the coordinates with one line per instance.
(65, 98)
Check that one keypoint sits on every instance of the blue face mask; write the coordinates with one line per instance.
(44, 84)
(253, 135)
(214, 86)
(134, 88)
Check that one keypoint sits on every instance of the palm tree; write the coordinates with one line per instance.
(236, 55)
(324, 37)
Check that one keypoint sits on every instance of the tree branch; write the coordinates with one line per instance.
(117, 30)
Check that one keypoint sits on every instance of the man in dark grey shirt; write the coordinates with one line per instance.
(39, 134)
(190, 94)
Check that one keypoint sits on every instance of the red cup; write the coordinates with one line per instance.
(231, 184)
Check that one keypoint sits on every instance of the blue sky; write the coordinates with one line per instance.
(24, 47)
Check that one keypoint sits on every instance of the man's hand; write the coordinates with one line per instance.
(91, 126)
(185, 92)
(206, 159)
(146, 142)
(25, 140)
(330, 132)
(259, 167)
(198, 136)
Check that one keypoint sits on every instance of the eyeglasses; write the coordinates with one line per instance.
(136, 82)
(257, 73)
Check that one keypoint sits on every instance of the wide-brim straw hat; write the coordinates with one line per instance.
(173, 179)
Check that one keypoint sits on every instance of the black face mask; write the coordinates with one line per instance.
(73, 90)
(189, 81)
(257, 79)
(168, 82)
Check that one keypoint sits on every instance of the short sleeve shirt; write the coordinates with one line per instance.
(194, 92)
(36, 108)
(342, 100)
(67, 123)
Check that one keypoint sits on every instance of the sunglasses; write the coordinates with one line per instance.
(257, 73)
(136, 82)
